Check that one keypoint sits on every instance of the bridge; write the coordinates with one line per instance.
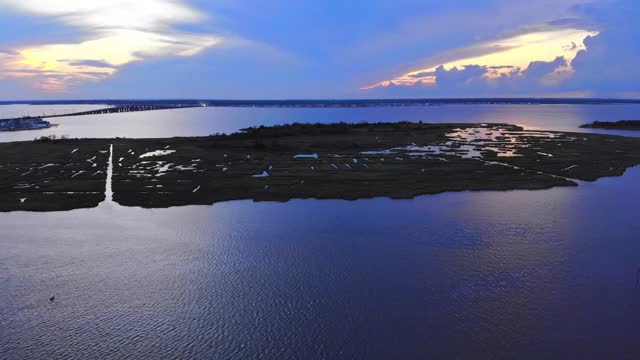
(126, 108)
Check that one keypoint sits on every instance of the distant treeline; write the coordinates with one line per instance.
(324, 103)
(620, 125)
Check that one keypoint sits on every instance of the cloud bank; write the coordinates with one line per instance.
(545, 53)
(118, 32)
(600, 61)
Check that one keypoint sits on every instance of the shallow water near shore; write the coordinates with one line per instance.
(524, 274)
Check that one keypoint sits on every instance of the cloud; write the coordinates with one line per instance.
(148, 15)
(564, 22)
(539, 69)
(538, 77)
(422, 74)
(118, 32)
(609, 64)
(501, 56)
(601, 62)
(91, 63)
(467, 76)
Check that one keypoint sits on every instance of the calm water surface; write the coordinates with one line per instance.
(206, 121)
(515, 274)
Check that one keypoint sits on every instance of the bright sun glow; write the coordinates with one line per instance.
(511, 53)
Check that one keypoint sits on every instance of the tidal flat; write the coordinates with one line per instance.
(322, 161)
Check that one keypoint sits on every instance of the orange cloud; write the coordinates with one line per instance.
(505, 57)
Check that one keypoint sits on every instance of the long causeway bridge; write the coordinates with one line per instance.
(126, 108)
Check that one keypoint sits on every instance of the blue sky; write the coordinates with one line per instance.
(318, 49)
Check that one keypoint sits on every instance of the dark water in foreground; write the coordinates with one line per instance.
(515, 274)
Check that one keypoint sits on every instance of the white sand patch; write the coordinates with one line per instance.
(156, 153)
(263, 174)
(569, 168)
(164, 168)
(306, 156)
(69, 192)
(378, 152)
(185, 168)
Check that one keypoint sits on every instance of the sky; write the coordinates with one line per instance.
(303, 49)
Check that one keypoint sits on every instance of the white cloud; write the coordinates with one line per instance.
(539, 77)
(111, 14)
(118, 32)
(601, 61)
(500, 57)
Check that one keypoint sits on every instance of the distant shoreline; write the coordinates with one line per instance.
(24, 124)
(119, 106)
(327, 102)
(631, 125)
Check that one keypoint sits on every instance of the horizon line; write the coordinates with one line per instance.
(449, 99)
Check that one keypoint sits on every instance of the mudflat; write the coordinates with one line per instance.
(323, 161)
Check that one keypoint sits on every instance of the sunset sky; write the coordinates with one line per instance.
(277, 49)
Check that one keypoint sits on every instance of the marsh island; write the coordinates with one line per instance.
(323, 161)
